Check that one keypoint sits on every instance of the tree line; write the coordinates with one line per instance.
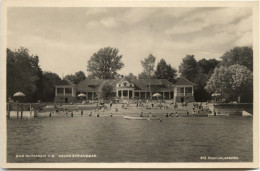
(236, 67)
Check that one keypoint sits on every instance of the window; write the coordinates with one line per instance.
(68, 90)
(125, 84)
(188, 90)
(60, 90)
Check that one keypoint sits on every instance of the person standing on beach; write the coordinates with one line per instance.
(111, 103)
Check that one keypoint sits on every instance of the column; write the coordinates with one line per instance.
(139, 93)
(128, 94)
(145, 95)
(56, 92)
(133, 94)
(72, 92)
(192, 90)
(175, 91)
(122, 94)
(163, 94)
(169, 95)
(63, 91)
(116, 93)
(184, 91)
(92, 95)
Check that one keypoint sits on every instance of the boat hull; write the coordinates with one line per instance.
(140, 118)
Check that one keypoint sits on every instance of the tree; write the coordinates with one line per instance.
(80, 76)
(148, 66)
(219, 82)
(239, 55)
(22, 73)
(77, 77)
(242, 82)
(131, 76)
(49, 81)
(188, 68)
(200, 93)
(165, 71)
(105, 63)
(233, 82)
(204, 70)
(71, 77)
(207, 66)
(143, 75)
(107, 91)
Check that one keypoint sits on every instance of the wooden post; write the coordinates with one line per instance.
(8, 110)
(35, 113)
(30, 110)
(163, 95)
(17, 110)
(21, 111)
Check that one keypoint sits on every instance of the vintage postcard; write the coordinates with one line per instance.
(129, 84)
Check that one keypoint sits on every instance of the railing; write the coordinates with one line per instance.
(182, 94)
(62, 94)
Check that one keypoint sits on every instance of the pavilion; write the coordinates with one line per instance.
(124, 88)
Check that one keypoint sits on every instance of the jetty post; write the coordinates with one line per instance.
(21, 111)
(30, 110)
(35, 113)
(8, 110)
(17, 108)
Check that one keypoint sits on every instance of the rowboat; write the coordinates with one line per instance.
(140, 118)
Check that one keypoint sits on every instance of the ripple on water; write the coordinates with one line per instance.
(114, 139)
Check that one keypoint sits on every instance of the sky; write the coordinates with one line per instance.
(66, 38)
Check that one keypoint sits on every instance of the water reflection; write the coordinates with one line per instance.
(114, 139)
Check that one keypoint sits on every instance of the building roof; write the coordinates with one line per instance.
(156, 84)
(94, 85)
(120, 81)
(183, 81)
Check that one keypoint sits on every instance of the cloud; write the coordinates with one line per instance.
(69, 36)
(220, 18)
(109, 22)
(137, 15)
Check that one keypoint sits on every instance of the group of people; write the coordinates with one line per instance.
(197, 107)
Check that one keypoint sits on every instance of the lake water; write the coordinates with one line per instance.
(115, 139)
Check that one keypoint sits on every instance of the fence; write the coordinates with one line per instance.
(22, 109)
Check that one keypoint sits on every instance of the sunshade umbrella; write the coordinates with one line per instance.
(215, 94)
(82, 95)
(19, 95)
(157, 95)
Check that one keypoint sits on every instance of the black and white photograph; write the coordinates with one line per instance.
(129, 84)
